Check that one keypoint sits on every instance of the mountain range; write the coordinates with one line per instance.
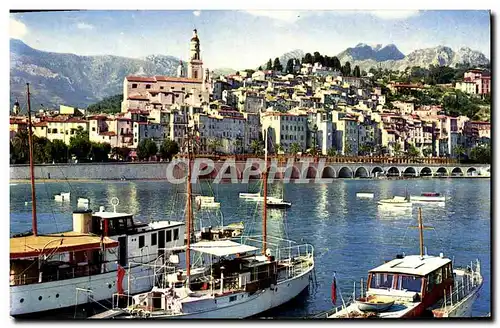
(58, 78)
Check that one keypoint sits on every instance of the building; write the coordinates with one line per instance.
(61, 127)
(284, 129)
(146, 130)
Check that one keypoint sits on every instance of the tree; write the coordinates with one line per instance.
(346, 69)
(260, 68)
(317, 58)
(120, 153)
(365, 149)
(277, 148)
(20, 148)
(336, 63)
(269, 65)
(289, 66)
(99, 152)
(481, 154)
(331, 152)
(277, 65)
(57, 151)
(413, 151)
(308, 59)
(79, 145)
(397, 148)
(356, 71)
(146, 149)
(295, 148)
(168, 149)
(256, 147)
(459, 151)
(347, 149)
(39, 149)
(111, 104)
(426, 152)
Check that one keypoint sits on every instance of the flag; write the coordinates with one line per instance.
(334, 290)
(119, 279)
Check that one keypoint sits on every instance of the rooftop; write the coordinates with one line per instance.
(413, 264)
(221, 247)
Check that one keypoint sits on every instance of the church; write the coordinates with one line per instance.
(190, 88)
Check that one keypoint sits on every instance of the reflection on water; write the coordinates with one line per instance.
(349, 235)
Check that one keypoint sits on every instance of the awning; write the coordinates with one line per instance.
(221, 247)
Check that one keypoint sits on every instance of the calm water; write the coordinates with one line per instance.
(350, 235)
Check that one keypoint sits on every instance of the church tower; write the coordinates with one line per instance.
(195, 67)
(16, 108)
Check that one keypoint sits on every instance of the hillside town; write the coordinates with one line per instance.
(309, 108)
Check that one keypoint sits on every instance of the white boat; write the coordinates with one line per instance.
(273, 202)
(207, 202)
(415, 286)
(397, 201)
(364, 194)
(62, 197)
(426, 197)
(250, 196)
(233, 280)
(83, 201)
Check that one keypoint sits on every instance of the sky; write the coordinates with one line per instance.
(241, 39)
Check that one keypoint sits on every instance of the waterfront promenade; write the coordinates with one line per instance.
(292, 167)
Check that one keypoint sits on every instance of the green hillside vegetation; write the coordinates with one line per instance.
(109, 105)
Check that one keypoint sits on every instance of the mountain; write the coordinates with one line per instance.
(58, 78)
(377, 53)
(389, 57)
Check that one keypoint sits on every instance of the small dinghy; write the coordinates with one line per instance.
(364, 194)
(374, 303)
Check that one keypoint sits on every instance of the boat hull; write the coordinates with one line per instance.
(426, 199)
(47, 296)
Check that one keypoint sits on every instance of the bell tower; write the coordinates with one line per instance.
(195, 68)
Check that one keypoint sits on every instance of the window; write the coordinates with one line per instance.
(93, 128)
(154, 237)
(161, 88)
(141, 241)
(176, 234)
(169, 236)
(409, 283)
(148, 86)
(134, 85)
(232, 298)
(195, 74)
(381, 280)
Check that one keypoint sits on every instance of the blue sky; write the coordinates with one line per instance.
(240, 39)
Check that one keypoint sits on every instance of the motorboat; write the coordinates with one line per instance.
(277, 203)
(396, 201)
(250, 196)
(428, 197)
(206, 202)
(414, 286)
(364, 195)
(62, 197)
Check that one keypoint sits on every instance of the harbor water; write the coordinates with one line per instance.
(350, 235)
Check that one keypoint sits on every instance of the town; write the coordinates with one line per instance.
(310, 106)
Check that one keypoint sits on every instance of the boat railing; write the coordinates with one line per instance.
(462, 287)
(282, 248)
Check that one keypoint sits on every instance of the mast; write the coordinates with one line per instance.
(32, 168)
(421, 231)
(189, 213)
(264, 210)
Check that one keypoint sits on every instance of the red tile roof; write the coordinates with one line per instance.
(108, 133)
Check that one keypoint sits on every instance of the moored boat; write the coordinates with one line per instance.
(364, 194)
(417, 286)
(428, 197)
(396, 201)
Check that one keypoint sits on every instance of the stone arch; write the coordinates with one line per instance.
(457, 171)
(426, 172)
(393, 171)
(361, 172)
(311, 172)
(410, 171)
(294, 174)
(345, 172)
(441, 171)
(328, 172)
(471, 171)
(377, 171)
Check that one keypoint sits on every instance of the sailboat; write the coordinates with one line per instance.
(233, 279)
(415, 286)
(65, 269)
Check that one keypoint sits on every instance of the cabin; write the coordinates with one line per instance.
(412, 279)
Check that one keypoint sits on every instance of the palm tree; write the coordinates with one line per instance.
(331, 152)
(347, 149)
(277, 148)
(256, 147)
(397, 149)
(459, 151)
(413, 151)
(427, 151)
(295, 148)
(214, 143)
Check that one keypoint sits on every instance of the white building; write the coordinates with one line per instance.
(285, 129)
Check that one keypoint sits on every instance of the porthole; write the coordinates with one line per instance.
(40, 298)
(21, 300)
(109, 286)
(57, 295)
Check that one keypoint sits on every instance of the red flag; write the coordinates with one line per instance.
(334, 291)
(119, 279)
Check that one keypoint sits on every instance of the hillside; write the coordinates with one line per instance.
(74, 80)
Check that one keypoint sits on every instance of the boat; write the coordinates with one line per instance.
(231, 280)
(415, 286)
(364, 194)
(277, 203)
(396, 201)
(250, 196)
(206, 202)
(83, 201)
(64, 196)
(87, 264)
(428, 197)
